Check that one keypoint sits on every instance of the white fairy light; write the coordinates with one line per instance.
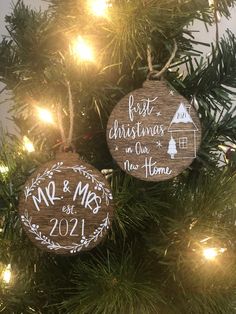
(28, 145)
(81, 50)
(211, 254)
(6, 275)
(45, 115)
(4, 169)
(98, 7)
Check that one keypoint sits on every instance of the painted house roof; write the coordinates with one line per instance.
(182, 121)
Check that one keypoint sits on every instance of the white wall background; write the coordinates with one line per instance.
(201, 35)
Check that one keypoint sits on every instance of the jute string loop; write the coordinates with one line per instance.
(158, 74)
(67, 140)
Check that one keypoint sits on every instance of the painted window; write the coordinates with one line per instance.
(183, 142)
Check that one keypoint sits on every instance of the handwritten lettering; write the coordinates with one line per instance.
(66, 186)
(142, 109)
(139, 149)
(68, 209)
(118, 131)
(129, 150)
(48, 196)
(66, 228)
(128, 166)
(151, 169)
(88, 197)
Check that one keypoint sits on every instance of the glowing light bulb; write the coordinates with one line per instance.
(6, 275)
(98, 7)
(45, 115)
(4, 169)
(210, 254)
(28, 145)
(81, 50)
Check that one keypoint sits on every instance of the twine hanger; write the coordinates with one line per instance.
(67, 140)
(158, 74)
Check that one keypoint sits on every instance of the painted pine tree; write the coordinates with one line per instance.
(172, 151)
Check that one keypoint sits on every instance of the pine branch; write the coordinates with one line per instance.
(152, 261)
(212, 81)
(111, 283)
(136, 206)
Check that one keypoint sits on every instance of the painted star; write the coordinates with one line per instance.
(158, 114)
(159, 145)
(172, 93)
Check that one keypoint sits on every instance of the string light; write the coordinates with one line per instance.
(98, 7)
(4, 169)
(28, 145)
(45, 115)
(81, 50)
(6, 275)
(211, 254)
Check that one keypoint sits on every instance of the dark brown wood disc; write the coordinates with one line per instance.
(66, 206)
(154, 133)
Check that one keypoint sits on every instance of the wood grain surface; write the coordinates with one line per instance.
(154, 133)
(66, 206)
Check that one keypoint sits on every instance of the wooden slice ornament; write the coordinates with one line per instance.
(66, 206)
(154, 133)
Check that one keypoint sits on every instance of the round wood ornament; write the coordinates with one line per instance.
(154, 133)
(66, 206)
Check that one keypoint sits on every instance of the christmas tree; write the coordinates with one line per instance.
(171, 247)
(172, 151)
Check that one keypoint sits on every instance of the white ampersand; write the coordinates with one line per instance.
(66, 187)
